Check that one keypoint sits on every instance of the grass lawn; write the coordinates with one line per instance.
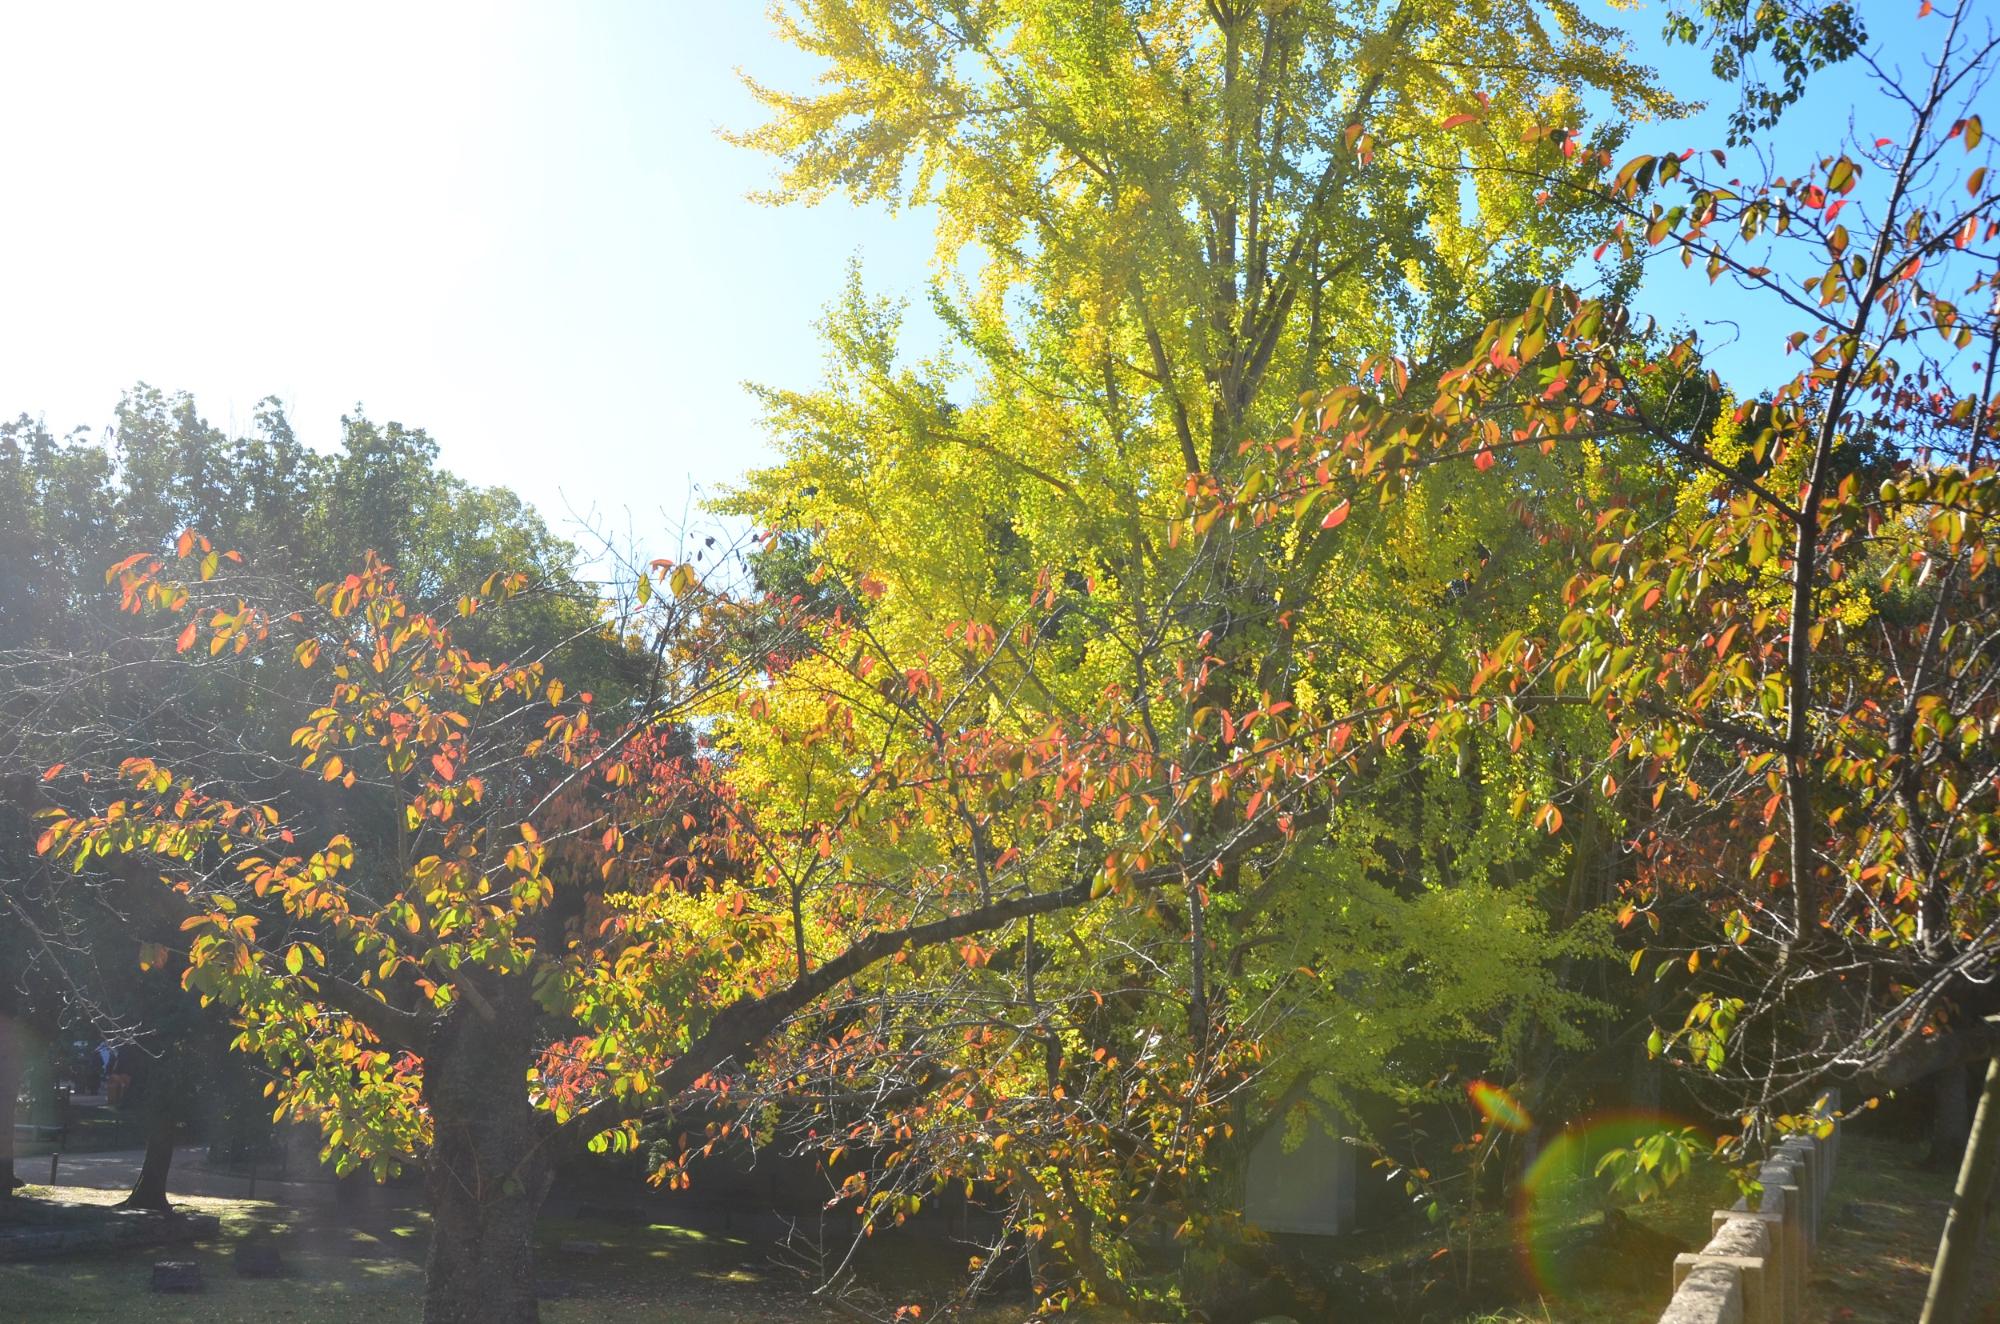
(337, 1274)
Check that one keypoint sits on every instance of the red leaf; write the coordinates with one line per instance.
(55, 769)
(445, 768)
(1885, 142)
(1483, 460)
(1335, 516)
(186, 641)
(1456, 120)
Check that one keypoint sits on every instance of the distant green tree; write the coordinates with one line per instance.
(78, 682)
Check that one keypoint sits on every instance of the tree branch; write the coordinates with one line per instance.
(748, 1021)
(405, 1030)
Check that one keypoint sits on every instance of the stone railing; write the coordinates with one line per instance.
(1753, 1270)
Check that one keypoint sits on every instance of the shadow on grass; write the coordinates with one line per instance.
(371, 1270)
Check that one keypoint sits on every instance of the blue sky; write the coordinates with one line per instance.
(510, 223)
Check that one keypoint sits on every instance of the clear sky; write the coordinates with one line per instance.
(510, 223)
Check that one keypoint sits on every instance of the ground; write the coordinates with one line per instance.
(337, 1274)
(1884, 1215)
(1874, 1260)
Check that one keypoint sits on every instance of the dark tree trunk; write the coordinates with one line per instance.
(488, 1167)
(150, 1192)
(1951, 1117)
(159, 1103)
(10, 1087)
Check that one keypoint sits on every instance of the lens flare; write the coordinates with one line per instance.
(1499, 1108)
(1559, 1200)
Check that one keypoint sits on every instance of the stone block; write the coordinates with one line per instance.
(259, 1259)
(1778, 1304)
(1745, 1245)
(1707, 1294)
(177, 1276)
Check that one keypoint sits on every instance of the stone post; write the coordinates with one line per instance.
(1709, 1294)
(1743, 1245)
(1782, 1197)
(1804, 1156)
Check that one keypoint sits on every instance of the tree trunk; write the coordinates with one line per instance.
(150, 1192)
(488, 1166)
(1951, 1119)
(10, 1087)
(1958, 1249)
(159, 1084)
